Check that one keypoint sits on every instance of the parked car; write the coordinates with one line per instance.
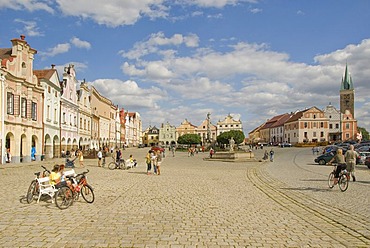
(362, 157)
(365, 148)
(367, 162)
(141, 146)
(323, 159)
(285, 145)
(156, 148)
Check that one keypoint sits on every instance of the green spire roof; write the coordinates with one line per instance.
(346, 81)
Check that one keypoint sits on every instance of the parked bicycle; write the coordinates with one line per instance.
(33, 189)
(343, 179)
(65, 196)
(118, 164)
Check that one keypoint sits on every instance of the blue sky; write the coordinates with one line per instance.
(171, 60)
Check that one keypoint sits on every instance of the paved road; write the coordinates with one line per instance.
(194, 203)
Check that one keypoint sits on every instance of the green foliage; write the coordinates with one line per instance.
(189, 139)
(365, 134)
(238, 137)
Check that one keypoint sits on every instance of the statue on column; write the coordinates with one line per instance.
(231, 144)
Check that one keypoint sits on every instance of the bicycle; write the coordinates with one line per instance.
(343, 179)
(117, 164)
(66, 195)
(33, 189)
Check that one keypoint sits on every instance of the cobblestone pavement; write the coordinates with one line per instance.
(193, 203)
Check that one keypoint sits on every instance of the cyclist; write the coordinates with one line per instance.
(341, 164)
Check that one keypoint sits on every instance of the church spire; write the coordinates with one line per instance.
(346, 80)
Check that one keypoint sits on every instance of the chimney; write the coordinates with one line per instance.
(52, 66)
(23, 37)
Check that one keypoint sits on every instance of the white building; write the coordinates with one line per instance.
(84, 117)
(49, 80)
(229, 124)
(167, 134)
(69, 107)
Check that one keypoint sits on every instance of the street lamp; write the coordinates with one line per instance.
(2, 79)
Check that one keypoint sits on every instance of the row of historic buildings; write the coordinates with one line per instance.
(313, 124)
(45, 112)
(168, 134)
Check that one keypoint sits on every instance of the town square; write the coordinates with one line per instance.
(193, 203)
(155, 123)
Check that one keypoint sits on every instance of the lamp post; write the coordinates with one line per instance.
(2, 79)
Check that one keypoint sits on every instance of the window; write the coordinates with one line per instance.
(322, 134)
(49, 89)
(10, 103)
(55, 115)
(330, 126)
(305, 125)
(48, 112)
(347, 125)
(337, 125)
(321, 124)
(314, 134)
(23, 107)
(34, 111)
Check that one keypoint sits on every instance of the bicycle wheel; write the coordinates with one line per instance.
(64, 198)
(331, 180)
(112, 165)
(32, 191)
(343, 183)
(87, 193)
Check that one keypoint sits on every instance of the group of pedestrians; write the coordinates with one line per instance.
(154, 159)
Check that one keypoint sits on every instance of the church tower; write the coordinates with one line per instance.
(347, 94)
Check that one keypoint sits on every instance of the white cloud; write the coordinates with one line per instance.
(129, 95)
(252, 77)
(114, 13)
(58, 49)
(80, 43)
(255, 10)
(157, 40)
(30, 5)
(30, 28)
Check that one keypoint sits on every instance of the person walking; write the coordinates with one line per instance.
(80, 158)
(272, 155)
(211, 152)
(153, 158)
(100, 156)
(148, 161)
(159, 162)
(350, 157)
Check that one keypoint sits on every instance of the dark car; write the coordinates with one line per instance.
(324, 158)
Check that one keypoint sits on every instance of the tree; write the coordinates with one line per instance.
(365, 134)
(224, 138)
(189, 139)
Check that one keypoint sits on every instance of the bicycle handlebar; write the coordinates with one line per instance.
(45, 168)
